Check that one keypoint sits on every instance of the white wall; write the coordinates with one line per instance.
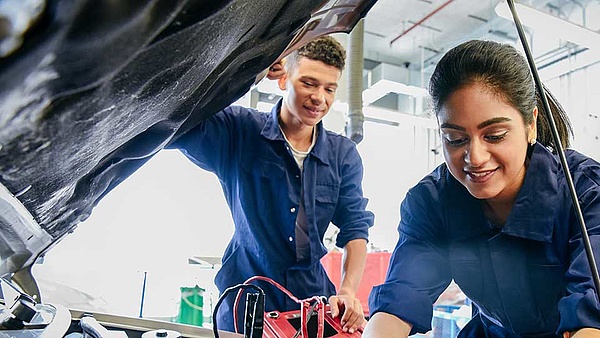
(395, 158)
(167, 211)
(578, 94)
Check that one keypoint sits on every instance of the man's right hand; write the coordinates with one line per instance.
(277, 70)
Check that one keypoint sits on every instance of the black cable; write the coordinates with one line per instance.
(584, 235)
(224, 295)
(310, 311)
(254, 315)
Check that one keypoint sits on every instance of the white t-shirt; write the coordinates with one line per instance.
(299, 156)
(302, 238)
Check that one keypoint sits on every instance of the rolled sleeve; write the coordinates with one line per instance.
(351, 215)
(404, 302)
(419, 269)
(579, 310)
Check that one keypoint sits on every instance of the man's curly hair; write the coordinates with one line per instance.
(325, 49)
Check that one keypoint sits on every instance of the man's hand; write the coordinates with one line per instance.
(353, 317)
(276, 70)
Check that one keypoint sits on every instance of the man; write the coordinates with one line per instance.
(286, 179)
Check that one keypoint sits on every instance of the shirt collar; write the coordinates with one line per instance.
(537, 203)
(272, 132)
(532, 217)
(271, 129)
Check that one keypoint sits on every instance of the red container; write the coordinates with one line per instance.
(375, 270)
(287, 324)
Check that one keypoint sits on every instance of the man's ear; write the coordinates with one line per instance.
(282, 82)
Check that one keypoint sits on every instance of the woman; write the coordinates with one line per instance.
(497, 217)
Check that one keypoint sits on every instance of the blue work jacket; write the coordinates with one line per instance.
(262, 185)
(530, 278)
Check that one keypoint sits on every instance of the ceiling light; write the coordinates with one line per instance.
(544, 23)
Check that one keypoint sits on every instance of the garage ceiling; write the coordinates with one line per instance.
(415, 33)
(404, 39)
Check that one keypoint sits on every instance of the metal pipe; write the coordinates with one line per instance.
(143, 295)
(583, 12)
(421, 21)
(354, 125)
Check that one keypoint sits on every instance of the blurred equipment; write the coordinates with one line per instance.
(312, 320)
(90, 328)
(26, 318)
(46, 321)
(191, 307)
(147, 328)
(290, 324)
(162, 333)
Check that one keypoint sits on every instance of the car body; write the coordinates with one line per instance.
(91, 89)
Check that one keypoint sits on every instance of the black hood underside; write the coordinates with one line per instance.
(98, 87)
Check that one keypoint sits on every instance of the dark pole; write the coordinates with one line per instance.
(538, 83)
(143, 294)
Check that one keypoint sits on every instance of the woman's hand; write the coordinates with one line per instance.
(586, 332)
(385, 325)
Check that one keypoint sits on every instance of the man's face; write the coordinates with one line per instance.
(485, 142)
(310, 90)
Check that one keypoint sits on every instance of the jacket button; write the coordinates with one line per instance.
(291, 239)
(293, 210)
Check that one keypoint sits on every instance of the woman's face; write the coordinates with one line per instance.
(485, 142)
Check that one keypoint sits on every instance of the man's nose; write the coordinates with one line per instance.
(318, 95)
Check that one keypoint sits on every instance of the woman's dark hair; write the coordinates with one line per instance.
(506, 73)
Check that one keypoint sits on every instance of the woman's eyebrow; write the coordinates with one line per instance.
(482, 125)
(491, 121)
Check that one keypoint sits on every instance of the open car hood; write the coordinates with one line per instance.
(98, 87)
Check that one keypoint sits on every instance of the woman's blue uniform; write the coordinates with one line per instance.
(530, 278)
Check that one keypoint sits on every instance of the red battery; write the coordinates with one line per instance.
(288, 325)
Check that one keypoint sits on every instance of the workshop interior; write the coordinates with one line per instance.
(104, 233)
